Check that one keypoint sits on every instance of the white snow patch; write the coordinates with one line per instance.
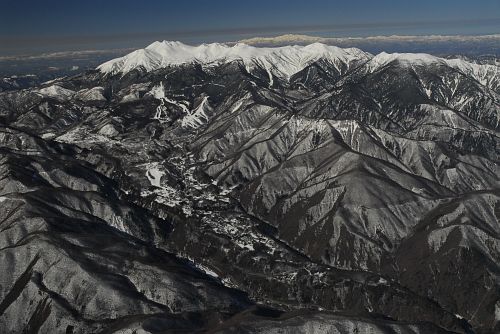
(236, 106)
(48, 135)
(382, 281)
(56, 92)
(108, 130)
(418, 190)
(158, 92)
(197, 117)
(92, 94)
(132, 96)
(154, 175)
(497, 311)
(207, 270)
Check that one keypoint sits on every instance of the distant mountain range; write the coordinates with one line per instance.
(481, 45)
(239, 189)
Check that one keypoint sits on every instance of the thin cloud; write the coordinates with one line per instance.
(294, 38)
(66, 54)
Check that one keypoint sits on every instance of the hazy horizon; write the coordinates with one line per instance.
(323, 38)
(55, 25)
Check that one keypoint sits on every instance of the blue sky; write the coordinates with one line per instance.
(56, 25)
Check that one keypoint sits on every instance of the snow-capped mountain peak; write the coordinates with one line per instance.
(384, 58)
(285, 60)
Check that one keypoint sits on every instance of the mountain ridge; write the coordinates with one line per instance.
(280, 61)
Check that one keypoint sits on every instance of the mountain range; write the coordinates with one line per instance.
(239, 189)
